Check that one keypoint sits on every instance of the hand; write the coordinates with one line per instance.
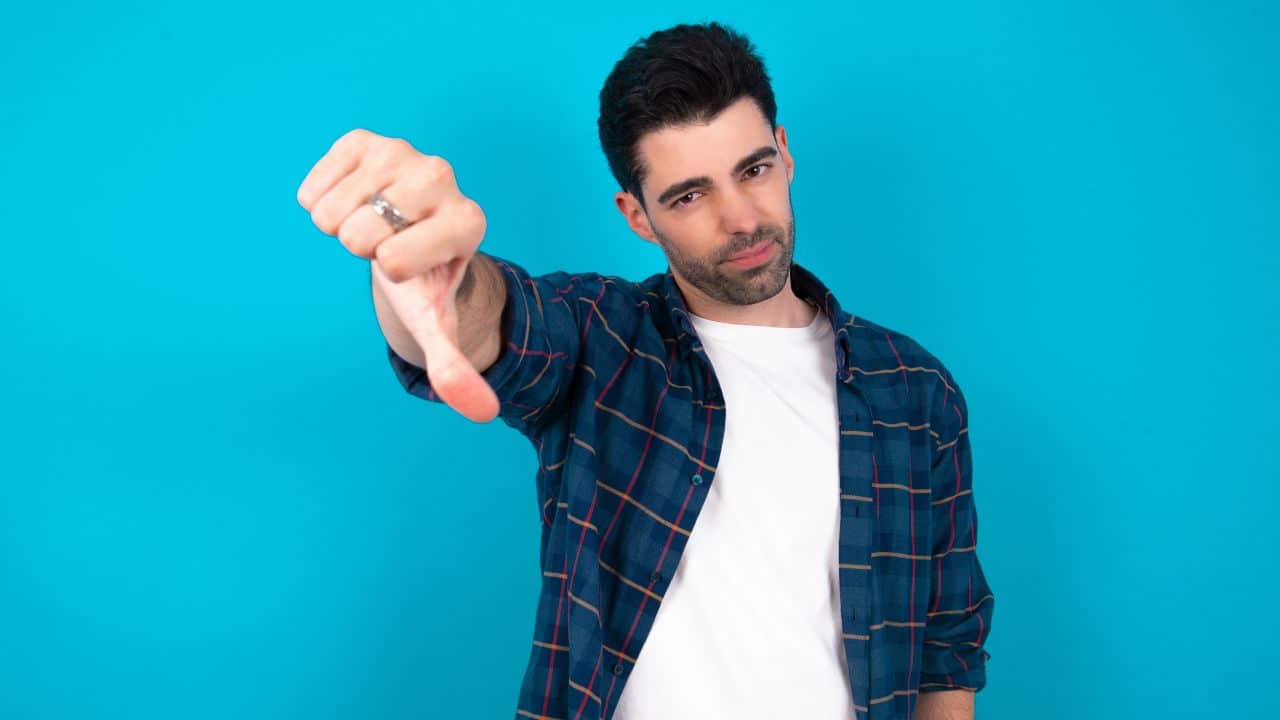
(419, 268)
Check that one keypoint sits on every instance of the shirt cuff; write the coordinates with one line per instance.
(952, 669)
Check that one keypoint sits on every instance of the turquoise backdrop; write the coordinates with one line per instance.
(217, 502)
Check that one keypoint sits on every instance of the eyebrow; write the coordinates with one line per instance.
(684, 186)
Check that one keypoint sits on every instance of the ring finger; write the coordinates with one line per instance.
(363, 229)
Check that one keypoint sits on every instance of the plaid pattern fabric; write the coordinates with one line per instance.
(609, 382)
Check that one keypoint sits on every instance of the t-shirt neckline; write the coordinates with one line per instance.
(726, 331)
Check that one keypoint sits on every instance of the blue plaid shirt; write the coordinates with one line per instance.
(609, 382)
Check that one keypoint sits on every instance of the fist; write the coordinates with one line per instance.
(444, 225)
(417, 266)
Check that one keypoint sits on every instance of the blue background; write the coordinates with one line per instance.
(217, 502)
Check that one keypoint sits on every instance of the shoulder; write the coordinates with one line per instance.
(894, 359)
(618, 299)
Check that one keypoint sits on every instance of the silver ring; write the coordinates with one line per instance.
(388, 212)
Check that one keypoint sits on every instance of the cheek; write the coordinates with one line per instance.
(780, 196)
(695, 235)
(779, 210)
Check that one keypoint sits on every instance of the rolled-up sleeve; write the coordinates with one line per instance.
(961, 603)
(539, 347)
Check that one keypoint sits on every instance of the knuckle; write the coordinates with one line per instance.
(392, 265)
(387, 152)
(375, 155)
(396, 147)
(352, 136)
(323, 220)
(472, 214)
(427, 172)
(437, 167)
(351, 240)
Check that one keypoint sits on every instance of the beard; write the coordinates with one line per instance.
(731, 285)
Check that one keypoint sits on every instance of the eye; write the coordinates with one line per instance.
(750, 174)
(681, 202)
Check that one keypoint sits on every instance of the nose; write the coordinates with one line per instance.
(738, 213)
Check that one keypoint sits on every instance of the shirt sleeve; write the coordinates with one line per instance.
(961, 604)
(539, 348)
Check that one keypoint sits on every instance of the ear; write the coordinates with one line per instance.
(635, 216)
(780, 134)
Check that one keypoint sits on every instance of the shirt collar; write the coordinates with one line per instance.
(804, 283)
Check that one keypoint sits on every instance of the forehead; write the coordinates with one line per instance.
(672, 154)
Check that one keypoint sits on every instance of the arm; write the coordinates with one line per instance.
(961, 602)
(945, 705)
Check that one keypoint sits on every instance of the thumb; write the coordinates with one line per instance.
(426, 306)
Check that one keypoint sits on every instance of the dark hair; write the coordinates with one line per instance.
(686, 73)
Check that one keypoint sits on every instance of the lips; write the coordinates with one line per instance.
(753, 250)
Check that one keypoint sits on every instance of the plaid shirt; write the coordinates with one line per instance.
(609, 382)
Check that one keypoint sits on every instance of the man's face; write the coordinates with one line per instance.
(714, 191)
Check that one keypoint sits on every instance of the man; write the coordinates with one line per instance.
(754, 504)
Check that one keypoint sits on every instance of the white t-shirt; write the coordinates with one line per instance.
(750, 626)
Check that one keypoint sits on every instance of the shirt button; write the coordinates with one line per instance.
(655, 578)
(618, 669)
(696, 479)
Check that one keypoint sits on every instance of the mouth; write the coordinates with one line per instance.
(754, 255)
